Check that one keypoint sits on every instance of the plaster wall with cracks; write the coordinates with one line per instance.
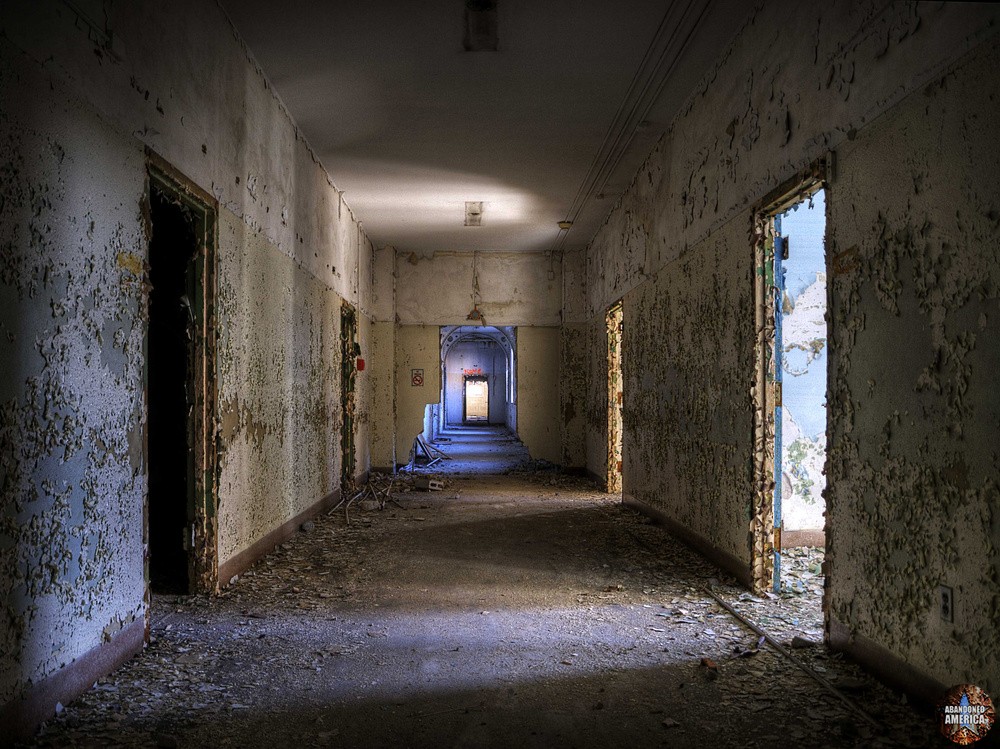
(76, 119)
(913, 488)
(573, 362)
(515, 288)
(891, 88)
(72, 323)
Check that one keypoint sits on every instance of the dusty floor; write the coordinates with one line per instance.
(520, 610)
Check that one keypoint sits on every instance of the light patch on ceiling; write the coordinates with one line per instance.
(474, 213)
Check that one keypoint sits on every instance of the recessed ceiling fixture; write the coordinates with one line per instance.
(565, 225)
(474, 213)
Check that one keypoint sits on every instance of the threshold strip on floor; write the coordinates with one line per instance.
(855, 708)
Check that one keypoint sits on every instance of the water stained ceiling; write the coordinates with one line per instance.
(549, 127)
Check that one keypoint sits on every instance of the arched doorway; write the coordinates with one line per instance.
(477, 377)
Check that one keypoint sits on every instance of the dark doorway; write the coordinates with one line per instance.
(350, 350)
(181, 450)
(172, 253)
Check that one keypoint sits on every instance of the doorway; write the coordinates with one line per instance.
(790, 391)
(349, 352)
(615, 397)
(800, 348)
(477, 400)
(180, 387)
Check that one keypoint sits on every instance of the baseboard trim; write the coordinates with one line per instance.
(729, 562)
(886, 665)
(240, 563)
(795, 539)
(20, 718)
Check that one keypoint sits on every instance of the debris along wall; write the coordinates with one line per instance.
(514, 288)
(798, 81)
(82, 99)
(915, 277)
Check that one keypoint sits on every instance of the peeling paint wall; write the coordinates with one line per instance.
(515, 288)
(279, 388)
(573, 362)
(573, 394)
(912, 211)
(79, 107)
(72, 322)
(367, 400)
(596, 404)
(417, 347)
(687, 413)
(381, 362)
(913, 485)
(538, 418)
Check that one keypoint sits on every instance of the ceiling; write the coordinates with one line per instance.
(550, 127)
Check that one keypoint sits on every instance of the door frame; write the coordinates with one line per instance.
(614, 320)
(201, 535)
(466, 379)
(765, 532)
(350, 349)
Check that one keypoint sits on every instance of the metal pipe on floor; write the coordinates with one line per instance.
(781, 649)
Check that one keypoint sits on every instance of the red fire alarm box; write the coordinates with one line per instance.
(361, 364)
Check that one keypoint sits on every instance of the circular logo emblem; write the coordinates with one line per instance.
(966, 714)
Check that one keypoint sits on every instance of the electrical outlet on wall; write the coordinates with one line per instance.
(946, 603)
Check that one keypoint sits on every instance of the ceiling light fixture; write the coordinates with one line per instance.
(565, 225)
(474, 213)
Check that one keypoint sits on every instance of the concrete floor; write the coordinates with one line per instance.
(521, 610)
(479, 450)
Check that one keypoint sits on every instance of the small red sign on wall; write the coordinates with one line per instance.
(417, 378)
(473, 372)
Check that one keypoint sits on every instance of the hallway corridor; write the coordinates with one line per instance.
(504, 611)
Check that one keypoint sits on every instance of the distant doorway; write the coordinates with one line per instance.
(475, 353)
(180, 344)
(477, 400)
(615, 397)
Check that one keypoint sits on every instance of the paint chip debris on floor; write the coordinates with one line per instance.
(525, 609)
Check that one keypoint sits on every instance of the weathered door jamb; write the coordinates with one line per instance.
(201, 538)
(764, 536)
(613, 319)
